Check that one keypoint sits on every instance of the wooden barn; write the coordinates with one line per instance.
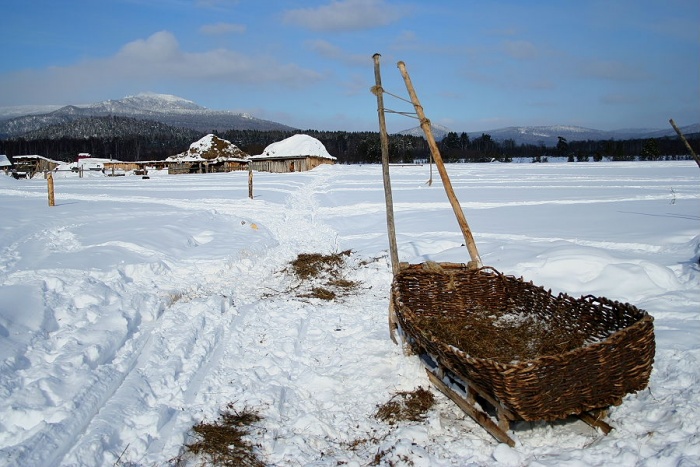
(284, 164)
(5, 164)
(209, 154)
(30, 165)
(137, 167)
(297, 153)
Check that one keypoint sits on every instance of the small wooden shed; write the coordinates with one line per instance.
(297, 153)
(209, 154)
(5, 163)
(27, 166)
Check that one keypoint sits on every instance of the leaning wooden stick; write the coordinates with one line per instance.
(391, 229)
(378, 91)
(685, 141)
(425, 125)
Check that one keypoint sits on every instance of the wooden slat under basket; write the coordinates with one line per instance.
(545, 357)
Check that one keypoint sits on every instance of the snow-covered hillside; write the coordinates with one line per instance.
(146, 103)
(549, 135)
(164, 108)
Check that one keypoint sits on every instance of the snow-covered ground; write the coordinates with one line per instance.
(136, 308)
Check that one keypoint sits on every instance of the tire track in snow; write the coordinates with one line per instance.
(160, 383)
(171, 372)
(203, 334)
(296, 359)
(294, 234)
(74, 407)
(117, 386)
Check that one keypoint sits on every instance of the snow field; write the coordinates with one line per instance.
(136, 308)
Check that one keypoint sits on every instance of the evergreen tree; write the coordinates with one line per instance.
(650, 150)
(563, 147)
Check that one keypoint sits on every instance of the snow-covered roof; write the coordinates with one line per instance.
(95, 160)
(4, 161)
(35, 156)
(295, 147)
(211, 148)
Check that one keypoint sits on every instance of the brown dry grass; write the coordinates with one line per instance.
(483, 335)
(406, 406)
(224, 442)
(321, 275)
(308, 265)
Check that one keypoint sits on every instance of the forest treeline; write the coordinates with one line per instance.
(146, 141)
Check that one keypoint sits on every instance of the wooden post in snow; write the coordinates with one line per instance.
(52, 198)
(388, 198)
(685, 141)
(384, 140)
(250, 180)
(425, 125)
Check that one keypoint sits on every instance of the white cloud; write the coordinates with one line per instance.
(521, 50)
(161, 46)
(144, 63)
(161, 56)
(333, 52)
(345, 15)
(216, 3)
(222, 28)
(612, 70)
(618, 99)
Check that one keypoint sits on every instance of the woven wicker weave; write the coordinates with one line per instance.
(611, 356)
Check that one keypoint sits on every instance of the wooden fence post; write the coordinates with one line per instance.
(250, 180)
(52, 199)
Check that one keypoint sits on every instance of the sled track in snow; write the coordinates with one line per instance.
(159, 370)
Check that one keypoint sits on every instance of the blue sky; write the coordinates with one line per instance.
(475, 65)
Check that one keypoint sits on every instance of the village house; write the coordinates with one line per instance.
(5, 164)
(110, 167)
(29, 165)
(298, 153)
(209, 154)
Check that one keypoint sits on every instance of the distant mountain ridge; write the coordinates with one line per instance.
(164, 108)
(549, 135)
(178, 112)
(110, 127)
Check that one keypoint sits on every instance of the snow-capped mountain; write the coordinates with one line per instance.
(439, 131)
(549, 135)
(164, 108)
(13, 111)
(147, 104)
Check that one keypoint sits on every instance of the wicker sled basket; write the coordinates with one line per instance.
(496, 339)
(540, 356)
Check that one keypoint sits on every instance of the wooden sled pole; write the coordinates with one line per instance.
(384, 140)
(425, 125)
(685, 141)
(388, 198)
